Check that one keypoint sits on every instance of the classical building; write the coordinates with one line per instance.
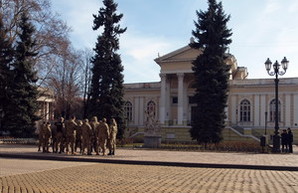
(46, 106)
(251, 102)
(46, 102)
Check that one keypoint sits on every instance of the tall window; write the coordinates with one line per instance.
(245, 111)
(128, 111)
(272, 110)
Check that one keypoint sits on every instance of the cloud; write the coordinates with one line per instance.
(139, 51)
(265, 29)
(293, 7)
(142, 47)
(79, 17)
(272, 6)
(268, 31)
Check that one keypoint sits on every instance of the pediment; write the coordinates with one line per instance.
(183, 54)
(180, 61)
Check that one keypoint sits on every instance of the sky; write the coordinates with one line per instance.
(261, 29)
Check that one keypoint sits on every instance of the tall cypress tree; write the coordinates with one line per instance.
(21, 115)
(6, 58)
(106, 94)
(211, 73)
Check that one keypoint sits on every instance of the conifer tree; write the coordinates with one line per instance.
(6, 58)
(22, 92)
(211, 73)
(106, 93)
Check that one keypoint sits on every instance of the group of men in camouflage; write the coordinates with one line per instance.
(67, 136)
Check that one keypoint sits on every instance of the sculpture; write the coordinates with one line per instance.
(152, 125)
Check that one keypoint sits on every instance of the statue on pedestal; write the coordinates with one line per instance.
(152, 137)
(152, 125)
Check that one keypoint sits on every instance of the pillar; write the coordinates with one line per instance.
(180, 98)
(256, 111)
(47, 111)
(295, 110)
(287, 110)
(162, 106)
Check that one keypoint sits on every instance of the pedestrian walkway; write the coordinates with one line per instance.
(23, 169)
(119, 178)
(286, 162)
(43, 176)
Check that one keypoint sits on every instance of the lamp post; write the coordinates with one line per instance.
(276, 71)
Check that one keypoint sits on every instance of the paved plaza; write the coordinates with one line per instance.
(42, 173)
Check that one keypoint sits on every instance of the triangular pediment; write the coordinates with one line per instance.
(183, 54)
(180, 61)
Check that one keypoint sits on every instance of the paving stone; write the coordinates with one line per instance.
(34, 176)
(131, 178)
(172, 156)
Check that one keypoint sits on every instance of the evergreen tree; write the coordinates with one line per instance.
(6, 58)
(22, 92)
(106, 93)
(211, 73)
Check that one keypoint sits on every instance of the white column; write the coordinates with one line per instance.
(256, 111)
(295, 109)
(233, 109)
(185, 104)
(168, 102)
(180, 98)
(136, 105)
(287, 110)
(162, 105)
(142, 111)
(47, 111)
(227, 113)
(264, 109)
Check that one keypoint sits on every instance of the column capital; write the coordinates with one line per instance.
(162, 76)
(180, 75)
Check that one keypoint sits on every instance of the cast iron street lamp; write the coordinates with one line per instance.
(276, 72)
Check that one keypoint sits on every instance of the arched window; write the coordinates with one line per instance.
(128, 111)
(272, 111)
(151, 110)
(245, 111)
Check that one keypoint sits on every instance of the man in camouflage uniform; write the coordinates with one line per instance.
(94, 124)
(40, 135)
(103, 135)
(79, 136)
(71, 127)
(47, 134)
(54, 138)
(86, 137)
(60, 135)
(112, 138)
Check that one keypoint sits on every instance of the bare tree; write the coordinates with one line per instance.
(60, 68)
(87, 74)
(66, 83)
(51, 32)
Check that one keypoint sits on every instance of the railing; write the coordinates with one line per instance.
(239, 129)
(234, 146)
(256, 134)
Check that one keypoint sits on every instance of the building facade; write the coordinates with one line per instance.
(250, 109)
(45, 111)
(46, 104)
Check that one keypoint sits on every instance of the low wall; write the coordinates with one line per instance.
(8, 140)
(181, 134)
